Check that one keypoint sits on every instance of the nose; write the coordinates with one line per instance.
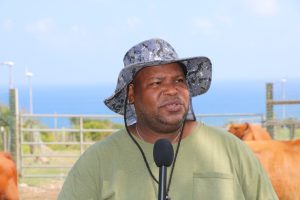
(170, 89)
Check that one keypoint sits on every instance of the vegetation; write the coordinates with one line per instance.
(94, 124)
(93, 130)
(4, 125)
(59, 149)
(288, 129)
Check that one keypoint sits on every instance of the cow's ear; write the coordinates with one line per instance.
(246, 125)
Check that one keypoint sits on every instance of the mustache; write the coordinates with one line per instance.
(176, 100)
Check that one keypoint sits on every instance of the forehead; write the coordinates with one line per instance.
(171, 69)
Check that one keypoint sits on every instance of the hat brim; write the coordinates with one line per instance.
(198, 76)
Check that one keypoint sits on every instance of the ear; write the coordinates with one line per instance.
(130, 93)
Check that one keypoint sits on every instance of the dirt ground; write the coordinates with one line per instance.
(45, 192)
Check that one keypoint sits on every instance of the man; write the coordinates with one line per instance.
(154, 93)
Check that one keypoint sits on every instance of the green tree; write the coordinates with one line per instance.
(95, 124)
(4, 126)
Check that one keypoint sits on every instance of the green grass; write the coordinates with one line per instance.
(39, 181)
(284, 134)
(51, 161)
(280, 134)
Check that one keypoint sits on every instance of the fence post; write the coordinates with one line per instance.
(21, 139)
(4, 138)
(269, 108)
(81, 135)
(14, 124)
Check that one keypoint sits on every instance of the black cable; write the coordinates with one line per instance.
(175, 158)
(137, 144)
(142, 152)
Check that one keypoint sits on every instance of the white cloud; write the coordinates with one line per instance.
(202, 26)
(7, 25)
(225, 19)
(265, 7)
(77, 31)
(52, 34)
(100, 1)
(41, 26)
(133, 22)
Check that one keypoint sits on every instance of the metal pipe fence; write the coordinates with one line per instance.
(51, 143)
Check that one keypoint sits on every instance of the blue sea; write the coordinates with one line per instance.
(223, 97)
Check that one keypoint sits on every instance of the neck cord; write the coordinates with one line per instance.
(143, 154)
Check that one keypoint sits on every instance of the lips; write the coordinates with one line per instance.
(172, 106)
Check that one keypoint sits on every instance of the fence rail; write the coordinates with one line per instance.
(36, 155)
(40, 156)
(26, 140)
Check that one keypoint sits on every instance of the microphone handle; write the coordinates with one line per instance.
(162, 183)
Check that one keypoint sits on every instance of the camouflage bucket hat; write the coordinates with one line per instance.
(151, 53)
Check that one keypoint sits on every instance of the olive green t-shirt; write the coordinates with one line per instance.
(211, 165)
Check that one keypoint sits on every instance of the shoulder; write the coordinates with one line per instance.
(109, 144)
(221, 139)
(101, 150)
(85, 179)
(215, 133)
(93, 163)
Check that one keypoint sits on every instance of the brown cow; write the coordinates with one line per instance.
(281, 160)
(8, 178)
(248, 131)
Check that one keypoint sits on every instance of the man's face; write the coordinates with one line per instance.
(160, 96)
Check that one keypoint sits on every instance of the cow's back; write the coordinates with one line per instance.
(8, 177)
(257, 132)
(281, 160)
(247, 131)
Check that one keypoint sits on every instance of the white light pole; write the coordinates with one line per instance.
(29, 76)
(283, 81)
(10, 64)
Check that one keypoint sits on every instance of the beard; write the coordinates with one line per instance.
(171, 123)
(167, 121)
(161, 119)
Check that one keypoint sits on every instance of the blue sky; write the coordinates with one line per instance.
(72, 42)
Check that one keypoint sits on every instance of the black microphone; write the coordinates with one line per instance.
(163, 156)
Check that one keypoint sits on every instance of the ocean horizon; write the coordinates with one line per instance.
(223, 97)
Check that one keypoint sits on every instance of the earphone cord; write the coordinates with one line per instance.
(143, 154)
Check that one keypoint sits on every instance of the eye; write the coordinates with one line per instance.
(180, 80)
(155, 83)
